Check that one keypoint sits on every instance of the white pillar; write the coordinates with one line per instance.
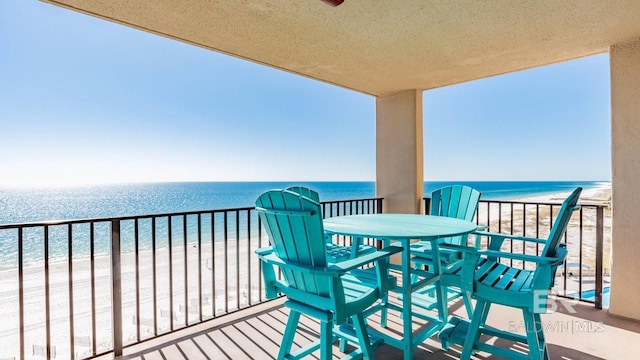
(625, 162)
(399, 151)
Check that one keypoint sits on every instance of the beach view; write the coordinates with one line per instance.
(200, 277)
(135, 138)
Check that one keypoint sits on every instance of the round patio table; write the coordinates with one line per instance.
(402, 229)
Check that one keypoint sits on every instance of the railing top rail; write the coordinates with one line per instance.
(350, 200)
(146, 216)
(119, 218)
(596, 204)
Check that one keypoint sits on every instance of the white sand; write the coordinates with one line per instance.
(226, 296)
(588, 196)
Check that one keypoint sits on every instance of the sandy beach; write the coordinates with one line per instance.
(588, 196)
(218, 296)
(580, 245)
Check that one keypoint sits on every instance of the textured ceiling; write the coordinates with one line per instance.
(382, 47)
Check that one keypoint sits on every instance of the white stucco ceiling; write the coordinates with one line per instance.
(382, 47)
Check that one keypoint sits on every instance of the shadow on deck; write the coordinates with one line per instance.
(255, 333)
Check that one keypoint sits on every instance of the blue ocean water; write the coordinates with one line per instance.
(38, 204)
(510, 190)
(42, 204)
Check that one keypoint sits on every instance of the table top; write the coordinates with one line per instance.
(398, 226)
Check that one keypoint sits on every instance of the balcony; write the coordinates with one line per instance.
(255, 333)
(186, 285)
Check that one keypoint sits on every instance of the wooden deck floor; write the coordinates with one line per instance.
(255, 333)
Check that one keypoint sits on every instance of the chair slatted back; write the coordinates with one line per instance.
(304, 191)
(551, 247)
(294, 225)
(561, 222)
(456, 201)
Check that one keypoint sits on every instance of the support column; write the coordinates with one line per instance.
(625, 162)
(399, 152)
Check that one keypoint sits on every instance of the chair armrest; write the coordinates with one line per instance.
(508, 236)
(273, 259)
(522, 257)
(347, 265)
(333, 270)
(502, 254)
(264, 251)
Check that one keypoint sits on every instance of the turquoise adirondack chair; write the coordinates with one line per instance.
(456, 201)
(331, 293)
(491, 281)
(335, 252)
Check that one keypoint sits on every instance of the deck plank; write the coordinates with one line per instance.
(578, 331)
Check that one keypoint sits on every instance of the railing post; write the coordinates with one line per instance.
(21, 293)
(116, 288)
(379, 244)
(599, 254)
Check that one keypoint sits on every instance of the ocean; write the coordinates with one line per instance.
(44, 204)
(19, 205)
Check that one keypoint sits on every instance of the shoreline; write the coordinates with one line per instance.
(596, 195)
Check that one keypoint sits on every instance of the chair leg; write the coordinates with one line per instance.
(384, 311)
(466, 297)
(533, 341)
(483, 320)
(289, 334)
(355, 246)
(343, 345)
(326, 340)
(535, 336)
(385, 299)
(343, 342)
(473, 334)
(363, 336)
(541, 339)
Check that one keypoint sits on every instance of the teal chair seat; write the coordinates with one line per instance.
(485, 274)
(333, 293)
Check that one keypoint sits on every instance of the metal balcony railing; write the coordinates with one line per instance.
(586, 271)
(83, 288)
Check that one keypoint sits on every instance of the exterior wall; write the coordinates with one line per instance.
(399, 152)
(625, 161)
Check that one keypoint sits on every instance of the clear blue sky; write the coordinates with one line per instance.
(87, 101)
